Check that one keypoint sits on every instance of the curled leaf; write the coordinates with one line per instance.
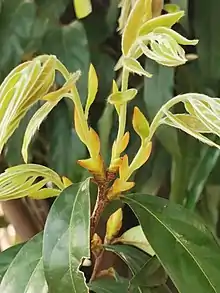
(29, 180)
(134, 66)
(167, 20)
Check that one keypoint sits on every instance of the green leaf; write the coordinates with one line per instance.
(132, 256)
(206, 20)
(6, 257)
(92, 88)
(67, 239)
(103, 285)
(136, 237)
(65, 148)
(181, 241)
(25, 273)
(16, 21)
(151, 274)
(163, 78)
(69, 44)
(28, 180)
(52, 8)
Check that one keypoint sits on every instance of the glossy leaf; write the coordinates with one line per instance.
(6, 257)
(67, 239)
(151, 274)
(25, 273)
(181, 241)
(29, 180)
(104, 285)
(132, 256)
(136, 237)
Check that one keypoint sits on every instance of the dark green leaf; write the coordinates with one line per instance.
(109, 285)
(206, 22)
(157, 91)
(25, 273)
(183, 244)
(65, 147)
(151, 274)
(69, 44)
(67, 239)
(16, 21)
(52, 8)
(132, 256)
(6, 257)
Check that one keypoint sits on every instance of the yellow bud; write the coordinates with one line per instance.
(113, 225)
(95, 166)
(124, 142)
(96, 244)
(66, 181)
(118, 187)
(93, 143)
(140, 124)
(123, 169)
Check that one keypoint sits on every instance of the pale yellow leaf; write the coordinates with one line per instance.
(82, 8)
(92, 89)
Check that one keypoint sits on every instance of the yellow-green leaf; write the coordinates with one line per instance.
(135, 236)
(140, 124)
(176, 36)
(113, 225)
(82, 7)
(167, 20)
(134, 66)
(28, 180)
(139, 13)
(92, 89)
(119, 98)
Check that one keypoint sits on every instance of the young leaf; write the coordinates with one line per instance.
(134, 66)
(140, 123)
(181, 241)
(92, 89)
(139, 13)
(167, 20)
(82, 8)
(120, 98)
(67, 242)
(136, 237)
(28, 180)
(25, 273)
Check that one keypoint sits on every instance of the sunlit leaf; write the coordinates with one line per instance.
(136, 237)
(119, 98)
(140, 123)
(82, 8)
(67, 241)
(181, 241)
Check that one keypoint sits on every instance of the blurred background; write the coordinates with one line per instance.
(180, 167)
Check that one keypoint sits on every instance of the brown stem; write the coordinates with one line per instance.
(98, 262)
(101, 203)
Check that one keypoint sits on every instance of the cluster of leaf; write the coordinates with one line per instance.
(185, 249)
